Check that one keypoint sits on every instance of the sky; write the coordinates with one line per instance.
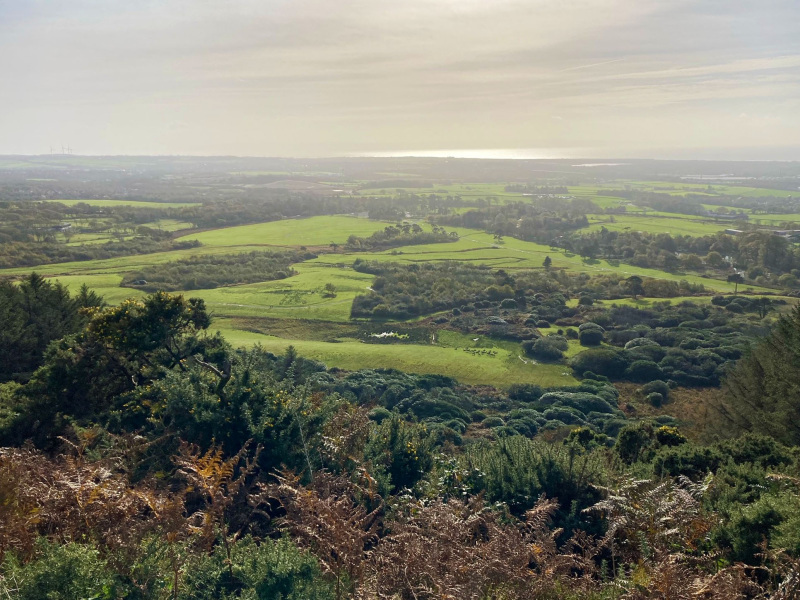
(505, 78)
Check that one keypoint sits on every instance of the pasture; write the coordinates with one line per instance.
(319, 324)
(313, 231)
(503, 368)
(658, 223)
(131, 203)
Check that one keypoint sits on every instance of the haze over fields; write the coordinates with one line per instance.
(534, 78)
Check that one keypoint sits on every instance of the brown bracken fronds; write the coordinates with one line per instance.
(466, 551)
(66, 499)
(327, 519)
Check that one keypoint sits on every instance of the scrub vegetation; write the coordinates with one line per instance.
(579, 388)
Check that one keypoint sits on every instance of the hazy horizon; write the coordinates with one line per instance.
(701, 79)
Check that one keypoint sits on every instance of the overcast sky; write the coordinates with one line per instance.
(634, 78)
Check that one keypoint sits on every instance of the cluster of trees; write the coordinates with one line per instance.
(540, 222)
(687, 344)
(402, 291)
(762, 254)
(537, 190)
(24, 254)
(33, 314)
(402, 234)
(692, 204)
(145, 458)
(207, 271)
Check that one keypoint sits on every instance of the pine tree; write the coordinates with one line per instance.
(762, 392)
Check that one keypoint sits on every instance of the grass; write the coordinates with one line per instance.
(682, 188)
(133, 203)
(672, 224)
(314, 231)
(293, 311)
(501, 370)
(298, 297)
(477, 247)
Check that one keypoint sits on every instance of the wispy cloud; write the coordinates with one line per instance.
(308, 77)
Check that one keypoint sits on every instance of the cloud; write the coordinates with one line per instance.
(308, 77)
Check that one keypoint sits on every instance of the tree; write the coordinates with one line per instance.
(547, 262)
(762, 392)
(714, 260)
(33, 314)
(121, 349)
(735, 279)
(634, 286)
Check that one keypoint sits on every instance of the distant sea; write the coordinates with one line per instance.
(783, 153)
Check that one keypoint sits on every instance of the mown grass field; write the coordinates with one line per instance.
(133, 203)
(314, 231)
(300, 299)
(503, 369)
(658, 223)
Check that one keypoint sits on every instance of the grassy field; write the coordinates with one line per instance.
(683, 188)
(314, 231)
(298, 297)
(477, 247)
(320, 327)
(658, 223)
(505, 368)
(133, 203)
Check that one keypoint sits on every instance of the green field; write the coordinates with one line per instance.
(133, 203)
(658, 223)
(314, 231)
(505, 368)
(312, 320)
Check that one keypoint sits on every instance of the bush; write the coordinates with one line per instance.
(591, 337)
(543, 324)
(271, 569)
(601, 361)
(525, 392)
(559, 341)
(655, 399)
(379, 414)
(571, 333)
(509, 303)
(639, 342)
(60, 571)
(493, 422)
(544, 349)
(590, 334)
(644, 370)
(670, 436)
(477, 416)
(656, 386)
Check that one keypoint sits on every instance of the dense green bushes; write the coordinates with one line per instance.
(208, 271)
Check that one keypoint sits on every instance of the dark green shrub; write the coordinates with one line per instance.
(602, 361)
(657, 386)
(544, 349)
(591, 337)
(477, 416)
(60, 571)
(508, 303)
(268, 570)
(644, 370)
(558, 340)
(655, 399)
(525, 392)
(493, 422)
(379, 414)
